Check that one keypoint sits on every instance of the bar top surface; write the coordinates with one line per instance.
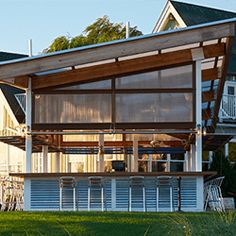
(113, 174)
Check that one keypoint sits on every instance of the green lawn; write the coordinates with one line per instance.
(112, 224)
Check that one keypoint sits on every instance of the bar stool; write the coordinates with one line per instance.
(164, 182)
(96, 184)
(136, 183)
(67, 184)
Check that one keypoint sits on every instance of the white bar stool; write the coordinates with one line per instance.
(164, 182)
(136, 182)
(67, 183)
(96, 183)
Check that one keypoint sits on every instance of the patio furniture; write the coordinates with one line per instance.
(213, 195)
(136, 183)
(164, 187)
(67, 193)
(96, 193)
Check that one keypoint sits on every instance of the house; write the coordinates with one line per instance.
(12, 115)
(120, 116)
(178, 15)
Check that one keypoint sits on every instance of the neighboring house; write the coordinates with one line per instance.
(12, 116)
(179, 15)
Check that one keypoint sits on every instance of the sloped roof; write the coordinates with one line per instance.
(5, 56)
(9, 91)
(193, 15)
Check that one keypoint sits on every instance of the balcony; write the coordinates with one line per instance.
(228, 109)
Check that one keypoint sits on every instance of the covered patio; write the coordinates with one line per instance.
(129, 110)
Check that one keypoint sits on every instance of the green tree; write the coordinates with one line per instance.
(102, 30)
(60, 43)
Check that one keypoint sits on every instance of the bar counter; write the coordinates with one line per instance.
(44, 191)
(113, 174)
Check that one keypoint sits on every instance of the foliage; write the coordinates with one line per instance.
(60, 43)
(116, 223)
(222, 165)
(102, 30)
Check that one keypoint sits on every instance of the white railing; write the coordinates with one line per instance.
(228, 107)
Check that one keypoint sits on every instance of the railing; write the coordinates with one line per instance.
(228, 107)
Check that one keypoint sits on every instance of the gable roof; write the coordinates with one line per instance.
(5, 56)
(10, 91)
(193, 15)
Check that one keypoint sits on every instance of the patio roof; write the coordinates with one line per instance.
(56, 73)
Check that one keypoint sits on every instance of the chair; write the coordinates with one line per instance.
(213, 195)
(164, 183)
(96, 187)
(136, 183)
(67, 186)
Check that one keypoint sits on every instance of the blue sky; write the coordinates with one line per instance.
(44, 20)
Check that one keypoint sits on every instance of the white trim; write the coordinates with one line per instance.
(163, 19)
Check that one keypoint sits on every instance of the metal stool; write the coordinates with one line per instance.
(135, 183)
(96, 185)
(164, 182)
(67, 184)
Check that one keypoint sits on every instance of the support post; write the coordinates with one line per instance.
(101, 153)
(226, 150)
(198, 56)
(57, 162)
(134, 164)
(28, 118)
(45, 158)
(198, 141)
(186, 161)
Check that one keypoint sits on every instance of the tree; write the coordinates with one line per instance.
(60, 43)
(102, 30)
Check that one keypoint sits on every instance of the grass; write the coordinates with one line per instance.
(112, 224)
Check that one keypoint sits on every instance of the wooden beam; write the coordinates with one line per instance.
(117, 143)
(112, 50)
(206, 114)
(208, 96)
(229, 46)
(210, 74)
(122, 68)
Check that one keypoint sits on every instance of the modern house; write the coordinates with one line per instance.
(179, 15)
(120, 115)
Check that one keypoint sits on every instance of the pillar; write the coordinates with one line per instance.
(134, 162)
(186, 161)
(198, 56)
(28, 118)
(57, 162)
(101, 153)
(198, 137)
(45, 158)
(226, 150)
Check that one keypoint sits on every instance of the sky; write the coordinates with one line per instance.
(44, 20)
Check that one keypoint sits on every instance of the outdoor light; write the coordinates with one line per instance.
(198, 129)
(204, 131)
